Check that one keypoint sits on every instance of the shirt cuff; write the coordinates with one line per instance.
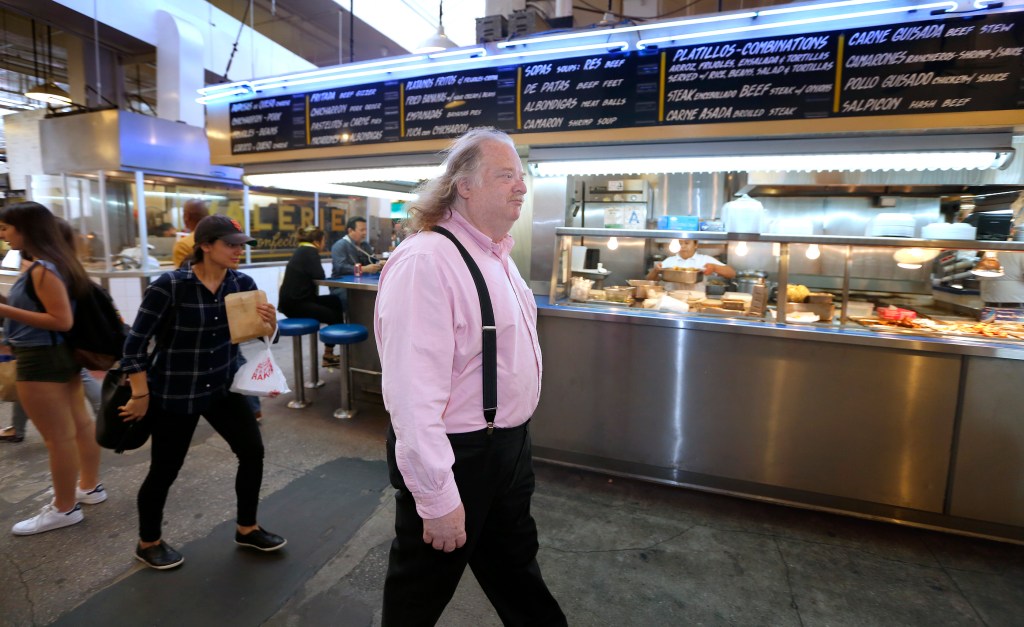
(440, 503)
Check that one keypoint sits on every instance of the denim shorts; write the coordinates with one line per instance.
(48, 364)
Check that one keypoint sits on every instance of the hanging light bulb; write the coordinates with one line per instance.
(914, 258)
(741, 249)
(813, 252)
(776, 249)
(674, 247)
(613, 243)
(438, 41)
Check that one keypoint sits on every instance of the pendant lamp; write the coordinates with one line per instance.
(48, 91)
(438, 41)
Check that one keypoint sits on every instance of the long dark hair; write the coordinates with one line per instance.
(42, 239)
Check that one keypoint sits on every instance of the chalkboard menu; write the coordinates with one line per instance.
(930, 67)
(266, 124)
(584, 93)
(761, 79)
(363, 114)
(448, 105)
(972, 63)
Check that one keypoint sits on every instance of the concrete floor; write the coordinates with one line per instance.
(614, 552)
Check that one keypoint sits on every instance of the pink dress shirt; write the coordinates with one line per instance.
(428, 328)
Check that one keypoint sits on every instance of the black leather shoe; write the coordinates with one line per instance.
(160, 556)
(7, 434)
(260, 540)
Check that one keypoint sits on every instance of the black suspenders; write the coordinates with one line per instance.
(490, 332)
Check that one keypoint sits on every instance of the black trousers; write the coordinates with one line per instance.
(325, 307)
(232, 418)
(495, 478)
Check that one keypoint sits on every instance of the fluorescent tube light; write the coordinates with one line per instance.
(461, 52)
(223, 94)
(299, 183)
(909, 161)
(614, 32)
(407, 173)
(817, 7)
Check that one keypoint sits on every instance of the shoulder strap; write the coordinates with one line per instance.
(30, 290)
(490, 332)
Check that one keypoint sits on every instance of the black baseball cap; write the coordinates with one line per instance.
(215, 227)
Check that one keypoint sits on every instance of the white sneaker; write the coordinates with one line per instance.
(92, 497)
(48, 519)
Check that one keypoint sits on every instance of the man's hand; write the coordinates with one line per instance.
(448, 532)
(373, 268)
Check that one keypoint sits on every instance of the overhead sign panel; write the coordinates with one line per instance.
(974, 63)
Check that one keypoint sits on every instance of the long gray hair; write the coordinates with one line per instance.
(437, 195)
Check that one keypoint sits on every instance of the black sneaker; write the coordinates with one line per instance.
(160, 556)
(260, 540)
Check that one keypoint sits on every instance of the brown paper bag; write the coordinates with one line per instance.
(243, 320)
(8, 378)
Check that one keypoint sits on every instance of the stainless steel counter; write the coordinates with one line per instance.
(920, 430)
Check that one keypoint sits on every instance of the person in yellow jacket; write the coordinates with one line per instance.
(194, 211)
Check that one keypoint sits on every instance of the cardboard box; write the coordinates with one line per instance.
(678, 223)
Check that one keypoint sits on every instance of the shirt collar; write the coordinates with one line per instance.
(500, 248)
(301, 244)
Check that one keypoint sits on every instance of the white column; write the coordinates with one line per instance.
(179, 62)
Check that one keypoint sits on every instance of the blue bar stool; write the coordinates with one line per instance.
(342, 335)
(296, 328)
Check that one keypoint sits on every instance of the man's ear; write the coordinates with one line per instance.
(462, 186)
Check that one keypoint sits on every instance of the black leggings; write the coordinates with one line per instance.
(325, 308)
(232, 418)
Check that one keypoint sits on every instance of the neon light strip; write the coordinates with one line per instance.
(643, 43)
(458, 53)
(411, 62)
(615, 46)
(226, 94)
(335, 72)
(826, 5)
(629, 29)
(688, 22)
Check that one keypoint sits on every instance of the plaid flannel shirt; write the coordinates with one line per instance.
(194, 360)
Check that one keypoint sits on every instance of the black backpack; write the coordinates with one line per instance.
(97, 334)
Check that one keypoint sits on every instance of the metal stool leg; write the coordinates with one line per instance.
(346, 412)
(300, 391)
(314, 367)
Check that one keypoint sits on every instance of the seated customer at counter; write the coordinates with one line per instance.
(688, 257)
(299, 295)
(353, 249)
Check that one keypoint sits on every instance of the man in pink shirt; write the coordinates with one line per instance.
(464, 476)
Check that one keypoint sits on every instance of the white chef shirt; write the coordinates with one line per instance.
(1008, 288)
(698, 260)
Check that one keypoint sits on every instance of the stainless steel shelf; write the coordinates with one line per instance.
(822, 240)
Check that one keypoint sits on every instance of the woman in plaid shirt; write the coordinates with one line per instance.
(188, 376)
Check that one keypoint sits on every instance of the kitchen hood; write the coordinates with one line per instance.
(118, 140)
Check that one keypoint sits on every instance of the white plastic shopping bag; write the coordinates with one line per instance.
(259, 375)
